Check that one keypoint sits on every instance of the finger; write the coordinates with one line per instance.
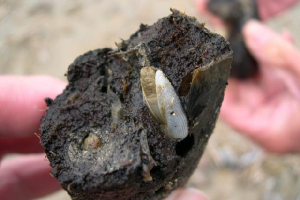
(187, 194)
(288, 36)
(26, 178)
(213, 19)
(262, 126)
(269, 8)
(242, 109)
(201, 6)
(22, 103)
(269, 48)
(20, 145)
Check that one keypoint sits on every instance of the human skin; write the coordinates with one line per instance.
(266, 108)
(266, 9)
(21, 108)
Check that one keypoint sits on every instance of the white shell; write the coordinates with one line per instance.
(163, 103)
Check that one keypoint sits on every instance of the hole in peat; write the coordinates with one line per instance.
(185, 145)
(155, 171)
(104, 89)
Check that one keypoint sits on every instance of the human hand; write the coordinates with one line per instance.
(21, 108)
(267, 107)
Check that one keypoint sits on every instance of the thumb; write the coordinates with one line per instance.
(270, 48)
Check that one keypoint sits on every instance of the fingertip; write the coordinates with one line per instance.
(213, 19)
(201, 5)
(255, 33)
(269, 48)
(187, 193)
(263, 43)
(46, 85)
(22, 103)
(268, 9)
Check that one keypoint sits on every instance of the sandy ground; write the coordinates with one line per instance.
(44, 37)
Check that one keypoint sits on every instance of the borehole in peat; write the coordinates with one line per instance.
(104, 89)
(155, 171)
(185, 145)
(185, 85)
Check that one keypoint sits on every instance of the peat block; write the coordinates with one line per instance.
(99, 136)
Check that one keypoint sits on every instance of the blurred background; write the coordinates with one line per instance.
(45, 36)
